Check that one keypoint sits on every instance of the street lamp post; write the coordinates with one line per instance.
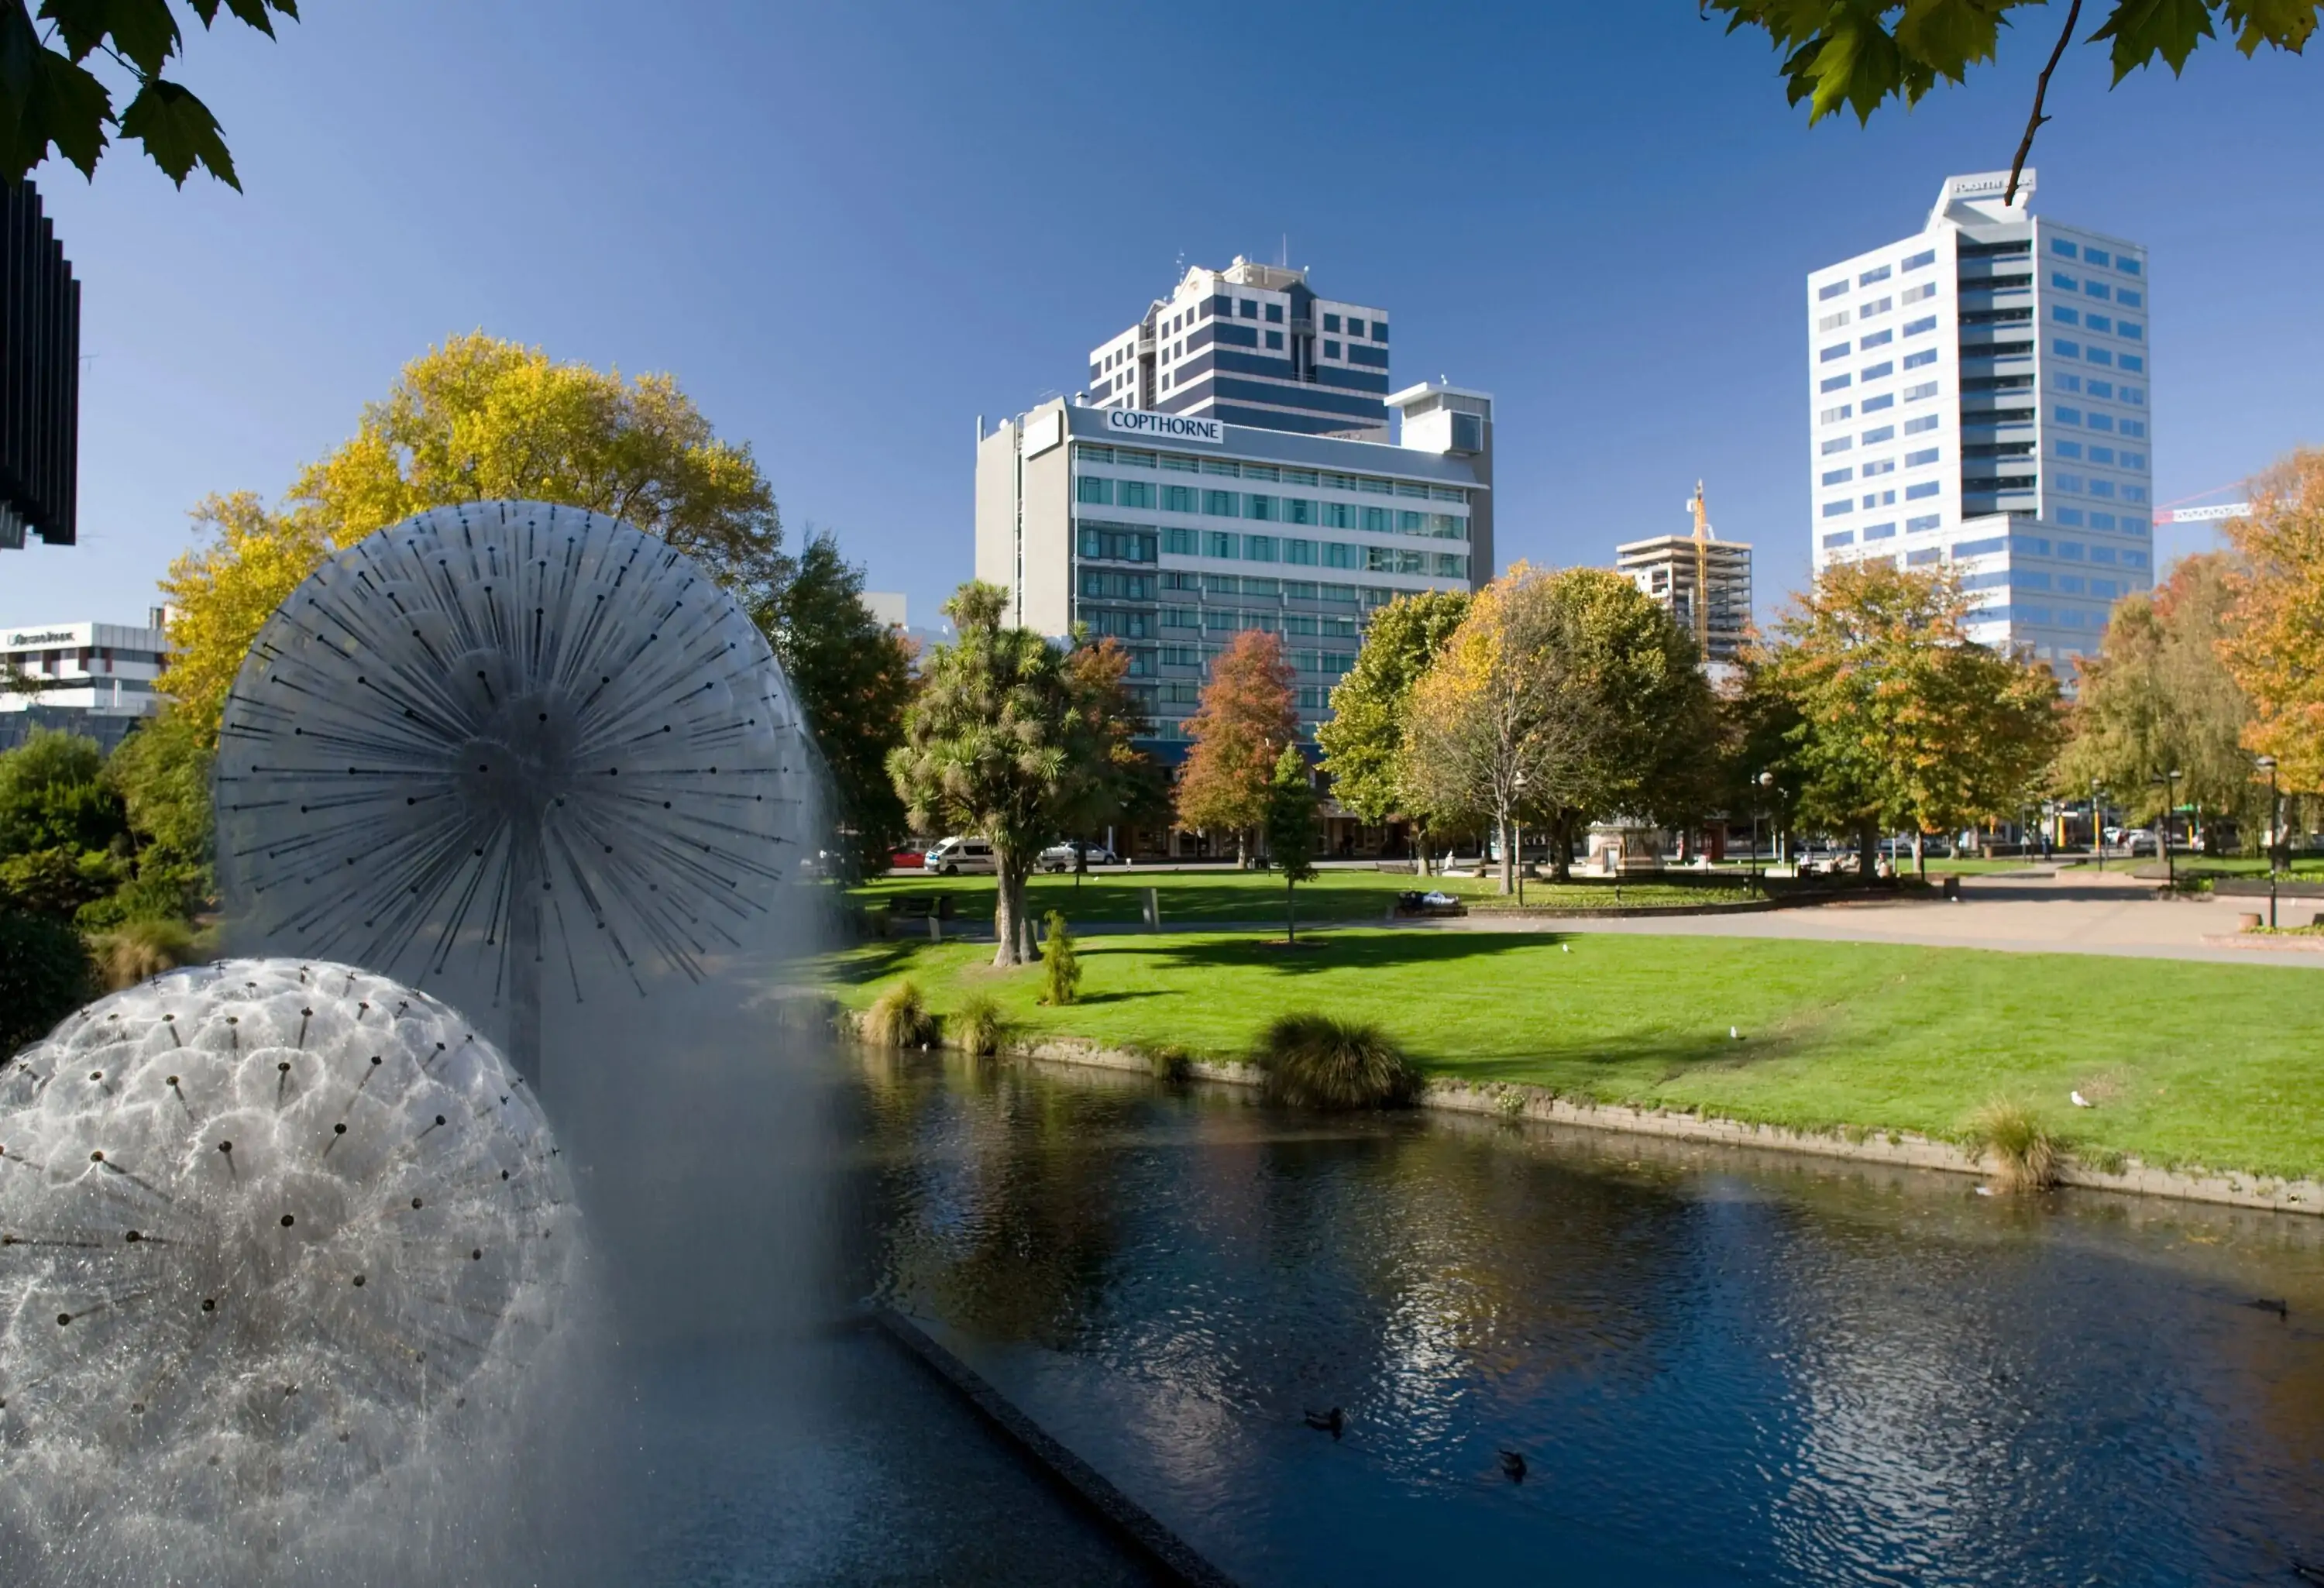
(2274, 820)
(1759, 786)
(1518, 859)
(2097, 826)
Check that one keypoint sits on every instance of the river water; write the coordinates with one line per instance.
(1719, 1367)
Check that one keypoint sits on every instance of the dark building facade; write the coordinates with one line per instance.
(40, 375)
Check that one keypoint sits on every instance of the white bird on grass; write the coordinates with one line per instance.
(1733, 1035)
(2080, 1101)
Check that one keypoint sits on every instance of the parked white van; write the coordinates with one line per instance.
(952, 856)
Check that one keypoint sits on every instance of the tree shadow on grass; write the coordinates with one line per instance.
(1327, 951)
(1647, 1060)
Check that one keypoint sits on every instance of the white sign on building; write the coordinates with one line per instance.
(1167, 427)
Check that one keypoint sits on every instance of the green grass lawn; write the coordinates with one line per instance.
(2192, 1064)
(1195, 896)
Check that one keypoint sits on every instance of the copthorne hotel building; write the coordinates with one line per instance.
(1979, 394)
(1173, 531)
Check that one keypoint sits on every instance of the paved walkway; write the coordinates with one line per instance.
(2075, 911)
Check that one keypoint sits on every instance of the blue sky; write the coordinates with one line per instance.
(848, 230)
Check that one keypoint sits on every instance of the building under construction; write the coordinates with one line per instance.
(1703, 581)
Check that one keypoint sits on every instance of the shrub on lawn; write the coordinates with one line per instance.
(980, 1027)
(1061, 969)
(1319, 1061)
(139, 950)
(2026, 1154)
(899, 1017)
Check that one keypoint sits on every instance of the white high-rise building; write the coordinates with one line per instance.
(1978, 395)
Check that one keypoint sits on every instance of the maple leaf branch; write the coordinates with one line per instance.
(2041, 92)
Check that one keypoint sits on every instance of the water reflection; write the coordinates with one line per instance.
(1719, 1366)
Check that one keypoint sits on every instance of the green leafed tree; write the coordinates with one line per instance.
(50, 99)
(1009, 741)
(854, 676)
(1903, 723)
(1363, 742)
(1294, 826)
(2157, 699)
(1859, 54)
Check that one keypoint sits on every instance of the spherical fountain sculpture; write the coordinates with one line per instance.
(517, 733)
(271, 1231)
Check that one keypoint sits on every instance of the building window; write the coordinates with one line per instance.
(2131, 330)
(2098, 355)
(1916, 459)
(2066, 382)
(1837, 444)
(1917, 492)
(1876, 404)
(2070, 483)
(1299, 551)
(1877, 306)
(1914, 393)
(2101, 421)
(1379, 334)
(1922, 558)
(1887, 531)
(2096, 256)
(2072, 517)
(1331, 322)
(1219, 543)
(1836, 383)
(2100, 322)
(1915, 328)
(2096, 288)
(1838, 476)
(1927, 520)
(1179, 542)
(2065, 415)
(2068, 450)
(2136, 428)
(1839, 509)
(1838, 538)
(1837, 350)
(2101, 455)
(1247, 308)
(1093, 488)
(1927, 421)
(2065, 350)
(1275, 338)
(1870, 276)
(2061, 248)
(1219, 504)
(1355, 326)
(2066, 316)
(1829, 291)
(2130, 299)
(1275, 314)
(2102, 488)
(1258, 548)
(1331, 348)
(1875, 372)
(1833, 322)
(1980, 548)
(1925, 357)
(1926, 256)
(1878, 340)
(2134, 363)
(1834, 415)
(1879, 466)
(1178, 499)
(1879, 433)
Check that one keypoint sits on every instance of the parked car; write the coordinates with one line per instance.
(2140, 841)
(953, 857)
(907, 859)
(1060, 857)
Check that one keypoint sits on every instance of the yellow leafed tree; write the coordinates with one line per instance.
(475, 419)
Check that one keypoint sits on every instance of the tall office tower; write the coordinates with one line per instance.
(1978, 395)
(1251, 345)
(1664, 567)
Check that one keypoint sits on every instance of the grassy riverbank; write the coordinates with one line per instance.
(2218, 1065)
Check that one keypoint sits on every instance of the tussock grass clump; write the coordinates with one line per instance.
(1320, 1061)
(1167, 1061)
(899, 1017)
(1061, 968)
(2026, 1155)
(979, 1028)
(139, 950)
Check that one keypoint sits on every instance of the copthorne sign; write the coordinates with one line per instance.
(45, 637)
(1992, 182)
(1167, 427)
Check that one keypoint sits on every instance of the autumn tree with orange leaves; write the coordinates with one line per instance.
(1246, 717)
(2275, 644)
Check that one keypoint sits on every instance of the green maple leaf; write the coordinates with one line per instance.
(179, 132)
(143, 31)
(45, 99)
(2284, 23)
(2143, 29)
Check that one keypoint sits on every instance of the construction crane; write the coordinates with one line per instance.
(1701, 570)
